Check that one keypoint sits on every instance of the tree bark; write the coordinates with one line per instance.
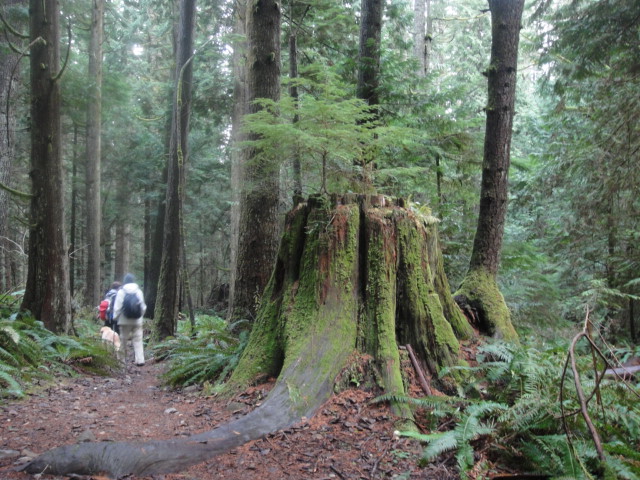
(259, 224)
(157, 240)
(8, 67)
(368, 84)
(428, 39)
(47, 290)
(419, 36)
(479, 290)
(293, 93)
(167, 300)
(369, 54)
(93, 159)
(353, 275)
(147, 232)
(239, 109)
(73, 227)
(122, 259)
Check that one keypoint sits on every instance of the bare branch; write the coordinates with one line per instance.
(13, 73)
(12, 30)
(19, 248)
(66, 58)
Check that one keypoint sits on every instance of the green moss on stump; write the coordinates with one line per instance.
(357, 276)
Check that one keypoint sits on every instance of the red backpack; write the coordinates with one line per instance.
(102, 309)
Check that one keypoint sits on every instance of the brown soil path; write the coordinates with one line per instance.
(348, 439)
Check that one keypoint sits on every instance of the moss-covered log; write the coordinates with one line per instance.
(354, 274)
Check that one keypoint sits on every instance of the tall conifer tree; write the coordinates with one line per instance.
(259, 226)
(167, 301)
(479, 291)
(47, 293)
(93, 160)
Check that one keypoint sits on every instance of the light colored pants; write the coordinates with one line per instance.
(133, 333)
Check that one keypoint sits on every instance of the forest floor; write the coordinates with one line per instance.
(349, 437)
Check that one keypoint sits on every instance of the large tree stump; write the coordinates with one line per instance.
(353, 274)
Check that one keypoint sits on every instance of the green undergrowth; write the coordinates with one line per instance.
(204, 355)
(30, 354)
(508, 417)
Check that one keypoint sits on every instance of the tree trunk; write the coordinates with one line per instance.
(428, 39)
(632, 321)
(369, 75)
(419, 37)
(293, 93)
(122, 259)
(148, 233)
(157, 241)
(239, 109)
(155, 261)
(259, 225)
(353, 275)
(369, 55)
(92, 172)
(8, 67)
(47, 290)
(167, 300)
(479, 291)
(73, 227)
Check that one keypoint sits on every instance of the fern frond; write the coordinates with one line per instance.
(623, 467)
(464, 458)
(9, 386)
(8, 358)
(206, 355)
(439, 443)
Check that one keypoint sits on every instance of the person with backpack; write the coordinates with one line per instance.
(128, 313)
(110, 298)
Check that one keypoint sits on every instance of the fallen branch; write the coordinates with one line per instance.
(583, 401)
(421, 378)
(624, 372)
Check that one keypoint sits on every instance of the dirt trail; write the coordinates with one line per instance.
(347, 439)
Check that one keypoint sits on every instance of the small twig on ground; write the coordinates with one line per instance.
(274, 457)
(377, 462)
(337, 472)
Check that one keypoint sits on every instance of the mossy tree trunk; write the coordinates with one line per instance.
(354, 275)
(479, 294)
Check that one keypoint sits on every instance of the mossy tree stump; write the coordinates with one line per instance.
(354, 274)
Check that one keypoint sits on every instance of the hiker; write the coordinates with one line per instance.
(128, 311)
(110, 297)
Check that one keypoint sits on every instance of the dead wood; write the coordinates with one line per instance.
(421, 378)
(623, 372)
